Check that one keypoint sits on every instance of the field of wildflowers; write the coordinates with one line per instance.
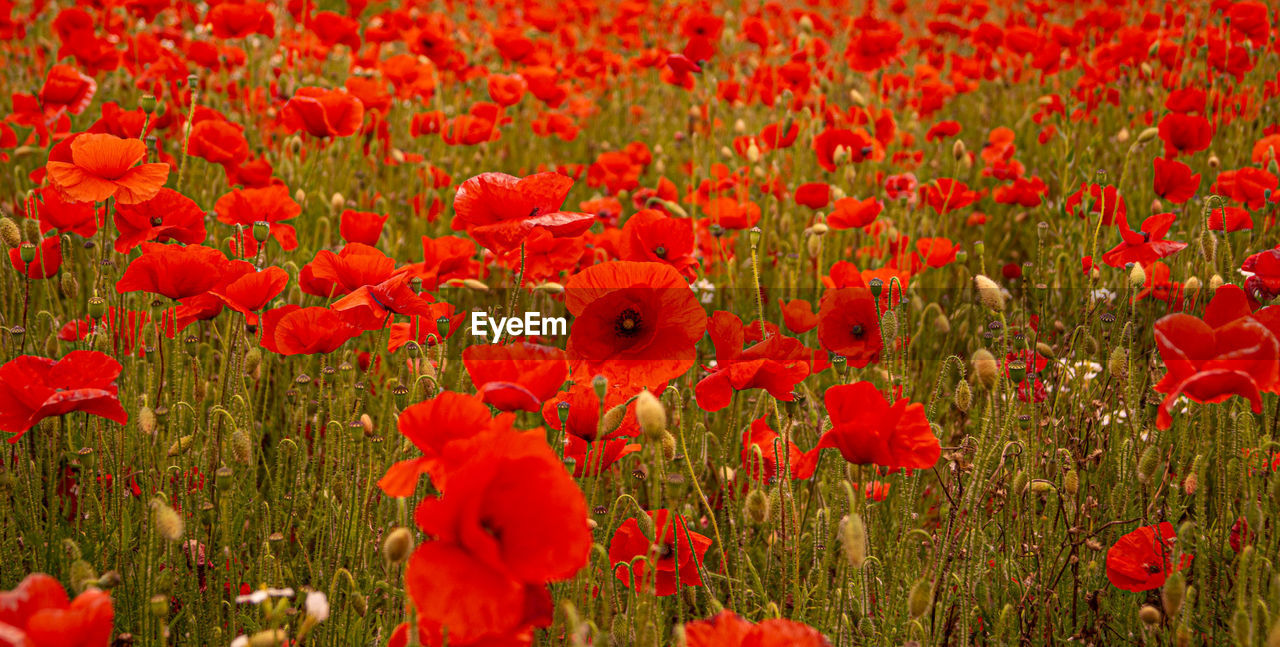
(705, 324)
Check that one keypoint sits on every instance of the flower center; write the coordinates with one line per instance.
(660, 251)
(858, 331)
(628, 323)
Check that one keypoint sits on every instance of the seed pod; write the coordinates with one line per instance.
(398, 545)
(1174, 592)
(158, 606)
(986, 370)
(920, 598)
(651, 415)
(757, 508)
(168, 522)
(989, 294)
(963, 397)
(853, 536)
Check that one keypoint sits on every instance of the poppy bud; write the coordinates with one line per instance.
(857, 98)
(110, 580)
(963, 397)
(989, 293)
(241, 447)
(1118, 362)
(68, 284)
(1148, 135)
(300, 196)
(550, 287)
(1174, 592)
(1190, 484)
(1149, 615)
(651, 415)
(1122, 136)
(645, 522)
(853, 537)
(337, 202)
(82, 575)
(268, 638)
(985, 368)
(168, 522)
(957, 149)
(1019, 484)
(147, 422)
(9, 232)
(1242, 627)
(32, 229)
(181, 445)
(716, 229)
(753, 153)
(398, 545)
(611, 420)
(1191, 285)
(757, 508)
(1215, 282)
(920, 598)
(1148, 464)
(668, 446)
(1137, 276)
(1214, 162)
(813, 245)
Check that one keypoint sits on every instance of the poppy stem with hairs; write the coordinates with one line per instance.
(26, 303)
(186, 138)
(515, 292)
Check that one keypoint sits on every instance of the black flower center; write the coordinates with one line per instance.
(660, 251)
(628, 323)
(858, 331)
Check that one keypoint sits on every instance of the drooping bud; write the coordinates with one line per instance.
(668, 446)
(989, 293)
(757, 507)
(1071, 482)
(920, 598)
(1118, 362)
(168, 522)
(963, 397)
(853, 537)
(241, 447)
(651, 415)
(958, 149)
(1149, 464)
(398, 545)
(611, 420)
(986, 370)
(147, 422)
(1174, 592)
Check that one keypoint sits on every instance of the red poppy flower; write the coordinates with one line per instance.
(733, 214)
(1229, 219)
(1106, 201)
(511, 519)
(47, 261)
(1184, 134)
(102, 166)
(1248, 185)
(945, 195)
(372, 307)
(271, 204)
(852, 213)
(583, 417)
(357, 265)
(34, 388)
(814, 195)
(237, 20)
(673, 540)
(852, 146)
(636, 323)
(1027, 192)
(650, 235)
(218, 141)
(432, 425)
(1263, 268)
(798, 315)
(308, 331)
(56, 212)
(66, 89)
(507, 90)
(499, 210)
(936, 252)
(1144, 246)
(776, 364)
(869, 431)
(1210, 365)
(39, 612)
(594, 459)
(169, 216)
(848, 324)
(727, 629)
(361, 226)
(174, 271)
(1142, 559)
(251, 292)
(942, 130)
(323, 113)
(1174, 181)
(766, 466)
(515, 377)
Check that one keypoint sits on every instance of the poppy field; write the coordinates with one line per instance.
(702, 324)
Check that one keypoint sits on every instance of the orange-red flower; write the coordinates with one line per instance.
(499, 211)
(1143, 559)
(636, 323)
(515, 377)
(776, 364)
(727, 629)
(174, 271)
(673, 539)
(868, 430)
(323, 113)
(102, 166)
(34, 388)
(308, 331)
(38, 612)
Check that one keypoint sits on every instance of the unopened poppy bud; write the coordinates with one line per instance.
(110, 580)
(1214, 162)
(32, 227)
(920, 598)
(1071, 482)
(986, 370)
(819, 229)
(82, 575)
(853, 538)
(1148, 135)
(27, 252)
(1118, 362)
(68, 284)
(268, 638)
(1122, 136)
(261, 230)
(1174, 592)
(366, 423)
(1242, 627)
(1137, 276)
(147, 422)
(611, 420)
(753, 153)
(168, 522)
(813, 245)
(1215, 282)
(300, 196)
(1019, 484)
(9, 232)
(963, 397)
(645, 522)
(1191, 285)
(651, 415)
(857, 98)
(757, 507)
(989, 294)
(1148, 464)
(716, 229)
(1149, 615)
(181, 445)
(958, 149)
(668, 446)
(241, 447)
(398, 545)
(337, 202)
(1190, 484)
